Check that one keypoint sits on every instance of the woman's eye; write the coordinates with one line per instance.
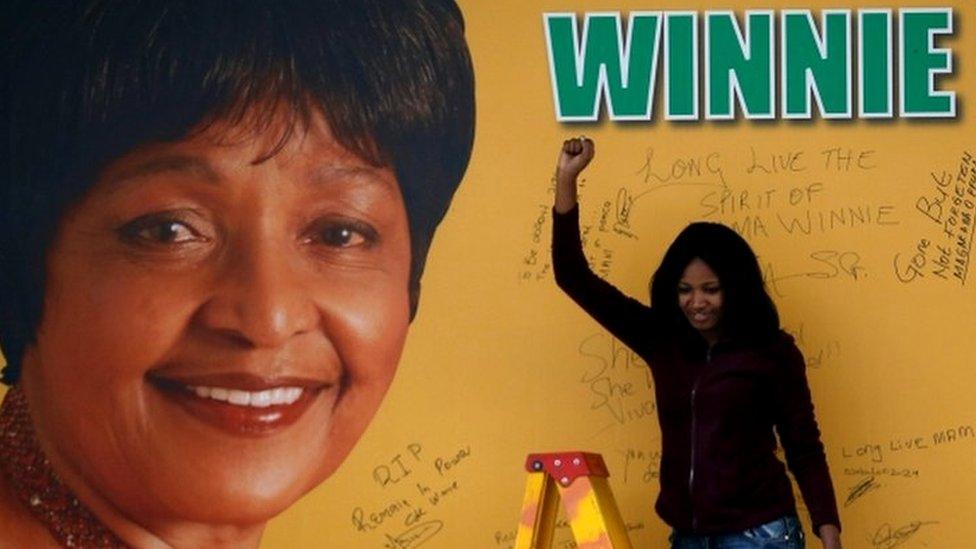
(155, 230)
(343, 234)
(342, 237)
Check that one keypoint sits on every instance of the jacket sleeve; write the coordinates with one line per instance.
(627, 319)
(799, 434)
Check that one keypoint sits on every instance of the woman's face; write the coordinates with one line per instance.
(700, 299)
(219, 329)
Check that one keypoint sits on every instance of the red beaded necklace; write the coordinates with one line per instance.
(38, 487)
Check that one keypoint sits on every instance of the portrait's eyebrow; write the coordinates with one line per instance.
(325, 174)
(177, 164)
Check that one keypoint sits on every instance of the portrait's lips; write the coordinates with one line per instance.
(241, 404)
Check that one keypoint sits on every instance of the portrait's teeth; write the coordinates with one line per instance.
(256, 399)
(261, 399)
(240, 398)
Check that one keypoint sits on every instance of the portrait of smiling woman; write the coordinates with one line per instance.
(215, 221)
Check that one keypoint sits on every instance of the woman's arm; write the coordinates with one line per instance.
(574, 157)
(799, 434)
(624, 317)
(830, 536)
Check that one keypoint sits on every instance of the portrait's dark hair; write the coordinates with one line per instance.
(88, 81)
(748, 313)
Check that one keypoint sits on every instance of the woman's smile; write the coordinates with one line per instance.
(244, 404)
(702, 318)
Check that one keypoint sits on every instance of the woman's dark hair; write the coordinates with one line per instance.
(748, 313)
(88, 81)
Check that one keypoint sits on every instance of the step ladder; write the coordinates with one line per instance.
(579, 479)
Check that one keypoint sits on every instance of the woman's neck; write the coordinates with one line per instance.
(18, 528)
(711, 337)
(44, 504)
(31, 481)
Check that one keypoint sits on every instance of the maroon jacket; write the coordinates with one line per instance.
(717, 410)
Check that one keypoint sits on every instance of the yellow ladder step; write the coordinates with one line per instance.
(579, 479)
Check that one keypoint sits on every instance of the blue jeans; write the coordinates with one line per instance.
(782, 533)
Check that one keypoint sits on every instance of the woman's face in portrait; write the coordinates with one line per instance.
(220, 325)
(700, 298)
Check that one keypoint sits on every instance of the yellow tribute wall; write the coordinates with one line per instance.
(863, 253)
(500, 363)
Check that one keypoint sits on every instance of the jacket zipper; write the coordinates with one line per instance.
(691, 468)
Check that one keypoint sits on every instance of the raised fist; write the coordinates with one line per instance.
(575, 155)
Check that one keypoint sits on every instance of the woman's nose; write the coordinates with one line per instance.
(261, 298)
